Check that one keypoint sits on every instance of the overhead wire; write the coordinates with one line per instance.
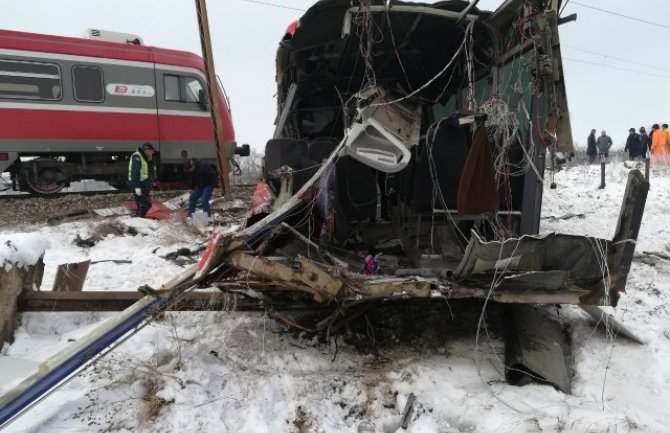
(587, 62)
(620, 59)
(276, 5)
(621, 15)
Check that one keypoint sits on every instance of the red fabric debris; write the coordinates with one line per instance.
(477, 189)
(261, 201)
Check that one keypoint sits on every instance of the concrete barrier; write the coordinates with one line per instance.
(15, 277)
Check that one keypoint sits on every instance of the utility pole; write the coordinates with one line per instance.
(215, 109)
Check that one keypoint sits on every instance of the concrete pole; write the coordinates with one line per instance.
(212, 92)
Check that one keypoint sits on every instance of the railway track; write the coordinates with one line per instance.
(31, 301)
(26, 196)
(4, 194)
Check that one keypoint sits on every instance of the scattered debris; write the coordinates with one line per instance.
(115, 261)
(53, 220)
(407, 413)
(565, 217)
(659, 255)
(533, 356)
(70, 277)
(86, 243)
(602, 318)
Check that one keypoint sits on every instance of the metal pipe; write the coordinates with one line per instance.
(68, 361)
(425, 10)
(466, 10)
(288, 105)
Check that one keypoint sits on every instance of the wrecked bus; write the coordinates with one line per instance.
(409, 160)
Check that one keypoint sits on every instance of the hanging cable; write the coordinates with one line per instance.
(438, 75)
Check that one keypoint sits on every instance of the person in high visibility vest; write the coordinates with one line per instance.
(140, 169)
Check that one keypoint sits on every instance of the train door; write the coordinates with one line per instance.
(184, 120)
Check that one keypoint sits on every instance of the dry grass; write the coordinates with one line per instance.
(180, 230)
(152, 405)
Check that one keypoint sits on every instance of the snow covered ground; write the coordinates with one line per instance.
(242, 372)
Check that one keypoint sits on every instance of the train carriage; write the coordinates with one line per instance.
(74, 108)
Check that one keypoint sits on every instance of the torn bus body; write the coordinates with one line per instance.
(408, 161)
(411, 142)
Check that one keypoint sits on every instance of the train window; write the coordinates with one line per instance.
(30, 80)
(192, 88)
(182, 88)
(171, 88)
(88, 84)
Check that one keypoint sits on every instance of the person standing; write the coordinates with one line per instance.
(632, 144)
(591, 149)
(604, 143)
(645, 142)
(658, 141)
(203, 180)
(140, 170)
(665, 130)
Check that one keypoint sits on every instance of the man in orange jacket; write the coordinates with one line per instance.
(658, 141)
(666, 131)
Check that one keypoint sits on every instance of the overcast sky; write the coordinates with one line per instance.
(245, 37)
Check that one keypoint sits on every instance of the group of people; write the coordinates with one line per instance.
(204, 178)
(639, 144)
(598, 146)
(657, 143)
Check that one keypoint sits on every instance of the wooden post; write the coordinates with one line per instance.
(215, 109)
(602, 172)
(647, 163)
(70, 277)
(624, 240)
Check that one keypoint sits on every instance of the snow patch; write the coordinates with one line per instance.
(21, 249)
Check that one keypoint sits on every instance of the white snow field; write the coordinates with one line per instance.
(243, 372)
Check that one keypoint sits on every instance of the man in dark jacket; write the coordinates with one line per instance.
(645, 142)
(633, 144)
(591, 149)
(203, 180)
(140, 171)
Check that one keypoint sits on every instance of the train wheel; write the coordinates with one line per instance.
(47, 181)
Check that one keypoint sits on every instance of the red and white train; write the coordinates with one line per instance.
(74, 108)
